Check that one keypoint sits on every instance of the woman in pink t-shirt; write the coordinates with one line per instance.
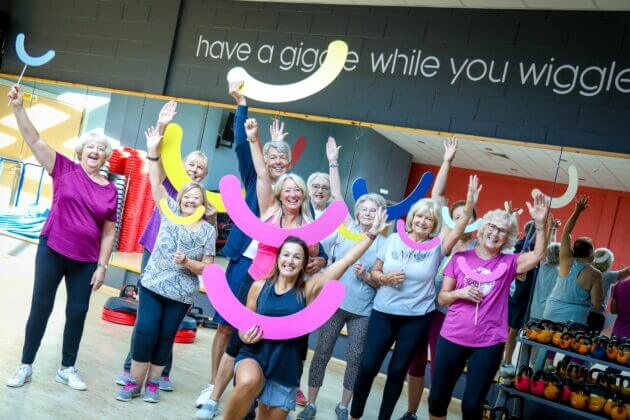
(76, 242)
(476, 289)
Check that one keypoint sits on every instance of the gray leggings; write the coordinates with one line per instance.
(327, 336)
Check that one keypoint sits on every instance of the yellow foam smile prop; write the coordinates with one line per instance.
(180, 220)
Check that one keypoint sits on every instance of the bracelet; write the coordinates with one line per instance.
(252, 140)
(103, 266)
(333, 165)
(153, 159)
(370, 235)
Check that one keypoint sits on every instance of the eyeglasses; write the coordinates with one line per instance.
(492, 228)
(320, 187)
(367, 210)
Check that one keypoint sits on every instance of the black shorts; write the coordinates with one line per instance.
(518, 304)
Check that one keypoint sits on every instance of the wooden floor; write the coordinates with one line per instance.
(102, 351)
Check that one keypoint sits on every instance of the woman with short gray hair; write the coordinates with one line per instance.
(75, 242)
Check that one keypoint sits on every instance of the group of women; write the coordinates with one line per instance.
(426, 287)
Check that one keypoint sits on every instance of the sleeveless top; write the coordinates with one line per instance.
(568, 301)
(280, 360)
(545, 282)
(262, 264)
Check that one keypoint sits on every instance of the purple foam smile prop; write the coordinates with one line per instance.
(418, 246)
(264, 233)
(274, 327)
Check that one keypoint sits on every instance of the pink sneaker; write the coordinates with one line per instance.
(301, 399)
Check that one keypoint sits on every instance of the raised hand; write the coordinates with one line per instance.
(474, 188)
(15, 97)
(154, 139)
(380, 222)
(251, 129)
(507, 205)
(276, 129)
(450, 148)
(167, 113)
(332, 150)
(581, 203)
(538, 211)
(234, 90)
(253, 336)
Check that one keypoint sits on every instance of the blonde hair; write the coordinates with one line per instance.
(200, 156)
(279, 145)
(502, 216)
(603, 259)
(375, 198)
(423, 205)
(91, 137)
(204, 198)
(306, 206)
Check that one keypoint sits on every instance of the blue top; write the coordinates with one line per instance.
(568, 301)
(359, 294)
(237, 241)
(545, 282)
(280, 360)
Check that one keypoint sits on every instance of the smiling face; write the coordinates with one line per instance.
(277, 162)
(423, 223)
(195, 168)
(319, 192)
(495, 235)
(93, 155)
(367, 212)
(291, 260)
(190, 200)
(291, 196)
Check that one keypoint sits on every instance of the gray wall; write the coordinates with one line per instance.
(141, 46)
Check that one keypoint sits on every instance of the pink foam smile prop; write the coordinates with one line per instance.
(274, 327)
(264, 233)
(418, 246)
(472, 274)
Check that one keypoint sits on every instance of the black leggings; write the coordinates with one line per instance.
(127, 365)
(50, 267)
(408, 332)
(451, 358)
(156, 325)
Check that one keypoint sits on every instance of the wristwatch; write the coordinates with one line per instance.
(103, 266)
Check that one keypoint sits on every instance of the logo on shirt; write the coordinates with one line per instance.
(485, 287)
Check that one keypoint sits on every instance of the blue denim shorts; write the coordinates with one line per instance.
(275, 395)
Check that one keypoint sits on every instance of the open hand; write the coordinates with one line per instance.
(538, 211)
(332, 150)
(276, 129)
(380, 222)
(450, 148)
(154, 139)
(167, 113)
(581, 203)
(472, 196)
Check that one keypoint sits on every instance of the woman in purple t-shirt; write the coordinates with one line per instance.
(475, 289)
(76, 242)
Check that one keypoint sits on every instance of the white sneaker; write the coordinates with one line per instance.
(70, 376)
(21, 376)
(205, 395)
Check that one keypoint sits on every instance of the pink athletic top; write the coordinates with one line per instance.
(492, 314)
(262, 264)
(79, 209)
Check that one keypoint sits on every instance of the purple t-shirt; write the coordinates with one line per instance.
(492, 315)
(622, 323)
(79, 209)
(153, 226)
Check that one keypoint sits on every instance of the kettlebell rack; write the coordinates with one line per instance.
(509, 392)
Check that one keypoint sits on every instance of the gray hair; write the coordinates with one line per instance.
(603, 259)
(314, 175)
(422, 206)
(375, 198)
(306, 206)
(91, 137)
(200, 156)
(280, 146)
(553, 253)
(502, 216)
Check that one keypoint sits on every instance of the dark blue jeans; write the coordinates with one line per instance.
(50, 268)
(156, 325)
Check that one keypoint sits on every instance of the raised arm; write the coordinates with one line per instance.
(332, 153)
(336, 270)
(44, 154)
(539, 213)
(439, 186)
(264, 185)
(165, 117)
(566, 254)
(154, 140)
(472, 196)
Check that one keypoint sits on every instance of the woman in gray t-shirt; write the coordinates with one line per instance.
(170, 279)
(405, 300)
